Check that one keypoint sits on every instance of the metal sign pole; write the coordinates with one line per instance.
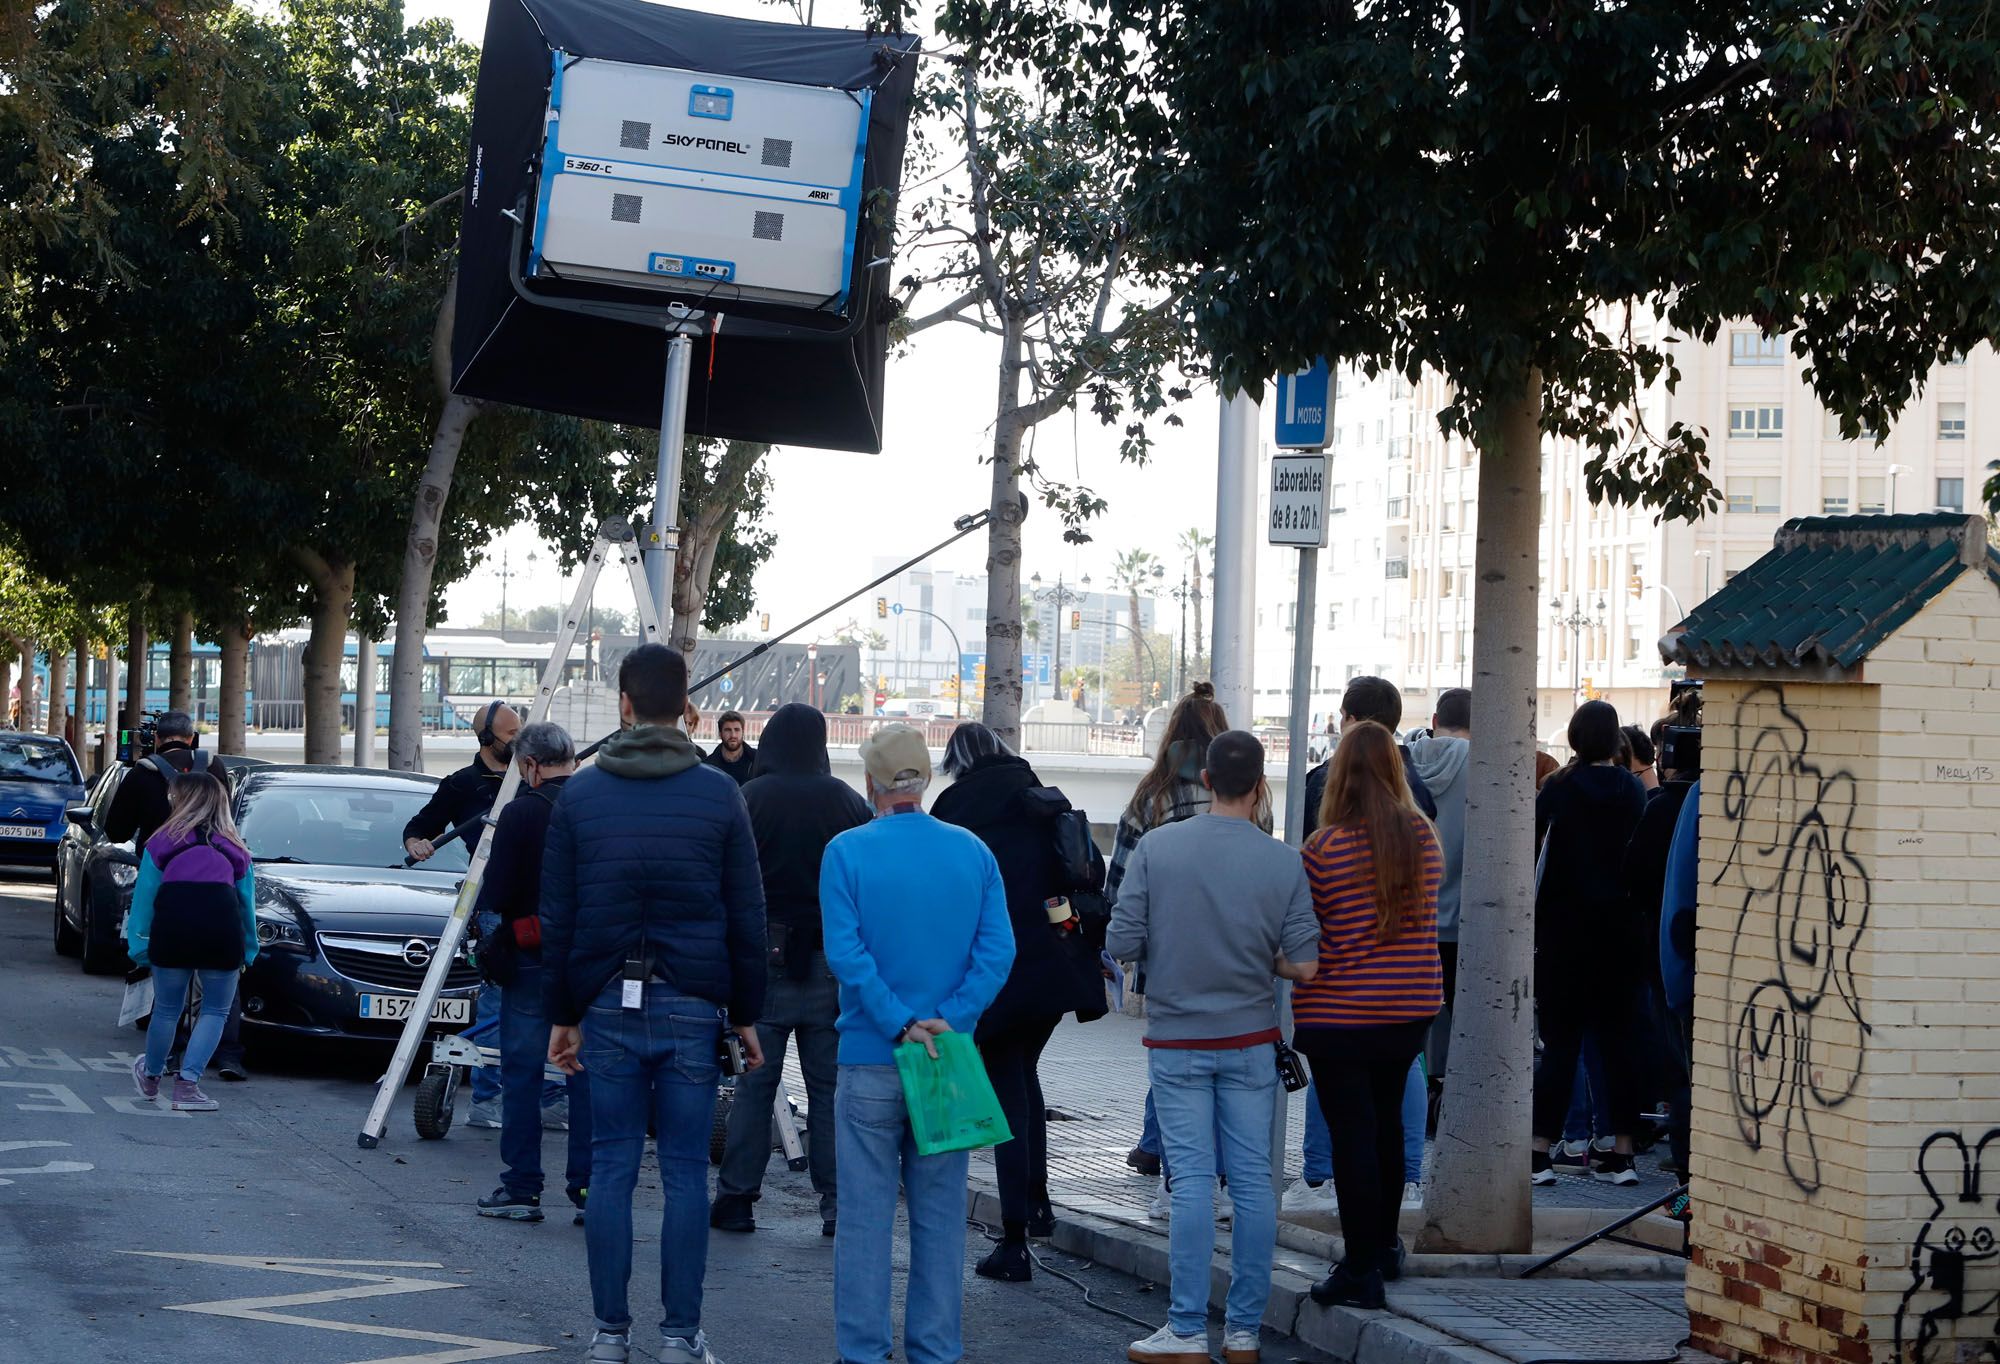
(615, 533)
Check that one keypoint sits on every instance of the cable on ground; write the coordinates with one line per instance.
(1089, 1300)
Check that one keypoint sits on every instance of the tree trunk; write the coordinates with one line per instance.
(708, 513)
(80, 697)
(333, 601)
(233, 687)
(107, 739)
(1200, 648)
(1002, 711)
(364, 701)
(180, 665)
(136, 670)
(413, 595)
(1478, 1199)
(7, 685)
(58, 686)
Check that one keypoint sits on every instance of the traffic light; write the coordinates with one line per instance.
(1590, 692)
(1076, 620)
(1636, 586)
(764, 622)
(881, 608)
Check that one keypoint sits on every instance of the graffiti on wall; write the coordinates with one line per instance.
(1797, 1035)
(1955, 1260)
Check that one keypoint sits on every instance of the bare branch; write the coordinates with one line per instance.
(950, 312)
(982, 217)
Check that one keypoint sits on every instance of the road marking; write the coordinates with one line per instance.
(134, 1106)
(53, 1167)
(61, 1098)
(467, 1348)
(52, 1059)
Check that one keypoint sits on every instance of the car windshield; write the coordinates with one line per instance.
(24, 757)
(358, 826)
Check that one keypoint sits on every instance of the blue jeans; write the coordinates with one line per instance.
(170, 993)
(874, 1149)
(1319, 1141)
(524, 1047)
(1198, 1094)
(1149, 1136)
(656, 1062)
(485, 1029)
(1590, 1100)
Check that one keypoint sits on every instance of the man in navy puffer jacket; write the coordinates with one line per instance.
(652, 925)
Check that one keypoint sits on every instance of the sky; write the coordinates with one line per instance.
(835, 513)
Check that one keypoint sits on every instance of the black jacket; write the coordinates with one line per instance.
(743, 769)
(464, 794)
(1582, 925)
(512, 884)
(1645, 871)
(796, 808)
(140, 807)
(1316, 788)
(1048, 978)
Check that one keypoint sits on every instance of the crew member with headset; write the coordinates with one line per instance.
(137, 812)
(470, 791)
(459, 799)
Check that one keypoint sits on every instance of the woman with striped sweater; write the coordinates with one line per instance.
(1374, 866)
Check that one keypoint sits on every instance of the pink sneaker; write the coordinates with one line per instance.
(188, 1098)
(147, 1085)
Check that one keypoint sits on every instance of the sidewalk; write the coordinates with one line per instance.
(1607, 1303)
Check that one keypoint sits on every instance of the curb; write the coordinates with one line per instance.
(1347, 1334)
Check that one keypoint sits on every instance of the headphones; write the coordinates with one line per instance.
(485, 731)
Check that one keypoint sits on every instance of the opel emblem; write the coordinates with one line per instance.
(417, 952)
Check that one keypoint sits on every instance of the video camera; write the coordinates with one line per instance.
(1680, 751)
(136, 748)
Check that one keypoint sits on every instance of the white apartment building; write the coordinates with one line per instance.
(1396, 586)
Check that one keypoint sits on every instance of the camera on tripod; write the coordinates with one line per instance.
(136, 747)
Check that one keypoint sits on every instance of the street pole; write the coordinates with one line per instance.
(364, 701)
(664, 539)
(1300, 720)
(1235, 558)
(1180, 675)
(1059, 611)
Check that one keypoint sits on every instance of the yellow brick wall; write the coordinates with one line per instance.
(1847, 1033)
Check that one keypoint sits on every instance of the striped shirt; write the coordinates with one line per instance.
(1363, 983)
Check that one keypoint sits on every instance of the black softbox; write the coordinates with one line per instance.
(772, 373)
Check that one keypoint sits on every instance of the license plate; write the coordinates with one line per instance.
(22, 831)
(396, 1008)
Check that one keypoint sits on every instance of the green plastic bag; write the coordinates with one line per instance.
(952, 1104)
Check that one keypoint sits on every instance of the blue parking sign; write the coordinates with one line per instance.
(1305, 402)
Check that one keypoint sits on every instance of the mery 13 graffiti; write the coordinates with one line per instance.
(1797, 1035)
(1955, 1260)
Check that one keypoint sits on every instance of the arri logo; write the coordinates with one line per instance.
(704, 144)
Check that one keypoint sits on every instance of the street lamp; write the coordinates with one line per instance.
(812, 675)
(1707, 557)
(1062, 597)
(1576, 622)
(1896, 471)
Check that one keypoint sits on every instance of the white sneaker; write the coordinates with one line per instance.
(1242, 1347)
(1225, 1207)
(1162, 1206)
(681, 1350)
(1164, 1347)
(484, 1115)
(1413, 1195)
(1304, 1197)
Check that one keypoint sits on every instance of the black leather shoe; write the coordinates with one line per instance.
(232, 1070)
(827, 1228)
(1145, 1162)
(1008, 1262)
(732, 1213)
(1041, 1219)
(1392, 1261)
(1344, 1289)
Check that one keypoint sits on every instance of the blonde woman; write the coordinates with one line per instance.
(193, 918)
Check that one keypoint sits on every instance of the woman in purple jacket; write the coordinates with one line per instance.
(193, 916)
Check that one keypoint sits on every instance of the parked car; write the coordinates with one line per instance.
(94, 876)
(347, 932)
(39, 779)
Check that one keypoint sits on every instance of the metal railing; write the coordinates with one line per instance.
(1398, 508)
(1395, 568)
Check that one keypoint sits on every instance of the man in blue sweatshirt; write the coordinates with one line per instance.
(915, 921)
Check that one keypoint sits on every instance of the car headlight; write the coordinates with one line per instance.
(276, 928)
(123, 874)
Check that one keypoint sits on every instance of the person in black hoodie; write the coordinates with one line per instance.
(1666, 1061)
(1587, 968)
(796, 808)
(997, 796)
(1370, 698)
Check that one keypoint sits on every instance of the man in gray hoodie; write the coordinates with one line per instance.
(1440, 760)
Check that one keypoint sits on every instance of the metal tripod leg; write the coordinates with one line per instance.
(1610, 1234)
(788, 1130)
(614, 535)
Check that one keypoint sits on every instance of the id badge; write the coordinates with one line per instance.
(634, 995)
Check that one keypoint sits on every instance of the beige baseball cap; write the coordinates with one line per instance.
(896, 753)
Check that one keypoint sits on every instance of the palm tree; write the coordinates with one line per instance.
(1133, 570)
(1196, 546)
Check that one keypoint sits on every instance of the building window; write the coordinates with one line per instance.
(1339, 500)
(1756, 423)
(1833, 499)
(1447, 580)
(1951, 494)
(1333, 615)
(1951, 421)
(1758, 494)
(1447, 512)
(1756, 349)
(1871, 495)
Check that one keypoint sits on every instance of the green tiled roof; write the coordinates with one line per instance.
(1830, 590)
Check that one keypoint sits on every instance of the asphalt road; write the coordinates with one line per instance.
(261, 1232)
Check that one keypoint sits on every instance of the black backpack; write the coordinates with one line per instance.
(1080, 866)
